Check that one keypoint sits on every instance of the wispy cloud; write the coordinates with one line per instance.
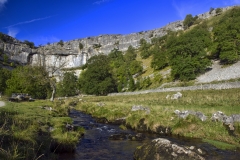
(100, 2)
(13, 32)
(2, 2)
(29, 21)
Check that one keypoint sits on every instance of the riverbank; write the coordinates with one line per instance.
(157, 114)
(37, 130)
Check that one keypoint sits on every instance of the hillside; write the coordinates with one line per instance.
(200, 49)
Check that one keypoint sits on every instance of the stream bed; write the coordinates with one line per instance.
(96, 145)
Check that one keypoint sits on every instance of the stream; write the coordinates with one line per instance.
(96, 145)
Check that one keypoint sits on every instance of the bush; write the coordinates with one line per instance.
(60, 43)
(30, 44)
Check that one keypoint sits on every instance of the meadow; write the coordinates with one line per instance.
(162, 113)
(36, 130)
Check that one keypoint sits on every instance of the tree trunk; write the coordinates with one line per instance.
(53, 91)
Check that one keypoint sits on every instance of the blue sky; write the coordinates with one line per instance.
(43, 21)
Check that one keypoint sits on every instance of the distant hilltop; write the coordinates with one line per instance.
(73, 55)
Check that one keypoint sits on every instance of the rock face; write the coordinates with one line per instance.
(164, 149)
(184, 114)
(69, 54)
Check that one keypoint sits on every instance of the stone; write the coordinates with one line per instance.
(218, 116)
(120, 136)
(184, 114)
(176, 96)
(166, 149)
(140, 108)
(168, 96)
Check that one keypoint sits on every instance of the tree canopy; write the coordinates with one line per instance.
(68, 86)
(28, 79)
(97, 78)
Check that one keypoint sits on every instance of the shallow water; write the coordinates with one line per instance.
(96, 145)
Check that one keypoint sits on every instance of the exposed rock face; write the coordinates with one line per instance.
(71, 56)
(164, 149)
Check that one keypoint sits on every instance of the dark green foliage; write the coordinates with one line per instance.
(2, 37)
(130, 54)
(97, 78)
(96, 46)
(144, 83)
(123, 67)
(60, 43)
(30, 44)
(28, 79)
(218, 10)
(227, 37)
(144, 49)
(80, 46)
(5, 75)
(188, 53)
(68, 86)
(211, 10)
(5, 58)
(135, 67)
(1, 52)
(160, 59)
(189, 21)
(132, 86)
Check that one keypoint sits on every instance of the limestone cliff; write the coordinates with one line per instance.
(69, 54)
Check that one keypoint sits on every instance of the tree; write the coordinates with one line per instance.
(226, 44)
(211, 10)
(80, 46)
(188, 21)
(60, 43)
(97, 78)
(68, 86)
(188, 53)
(28, 79)
(5, 75)
(144, 49)
(218, 11)
(130, 54)
(30, 44)
(53, 68)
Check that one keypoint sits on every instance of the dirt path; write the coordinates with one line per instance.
(2, 103)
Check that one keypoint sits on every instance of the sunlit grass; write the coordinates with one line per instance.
(162, 112)
(25, 129)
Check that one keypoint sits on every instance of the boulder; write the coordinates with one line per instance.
(184, 114)
(228, 121)
(161, 148)
(218, 116)
(140, 108)
(137, 137)
(120, 136)
(176, 96)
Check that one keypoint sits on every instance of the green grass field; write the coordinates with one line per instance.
(29, 130)
(162, 112)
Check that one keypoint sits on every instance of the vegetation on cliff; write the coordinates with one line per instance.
(185, 54)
